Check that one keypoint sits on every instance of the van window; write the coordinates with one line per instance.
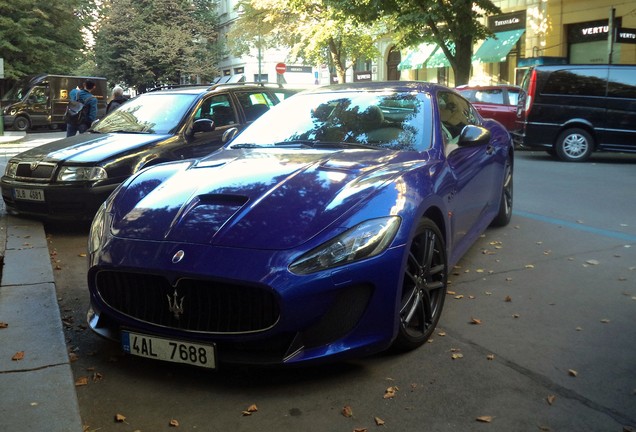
(622, 83)
(577, 82)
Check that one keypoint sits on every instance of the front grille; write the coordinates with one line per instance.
(42, 171)
(193, 305)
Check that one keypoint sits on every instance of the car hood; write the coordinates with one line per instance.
(89, 147)
(266, 199)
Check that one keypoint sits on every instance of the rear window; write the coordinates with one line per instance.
(622, 83)
(577, 82)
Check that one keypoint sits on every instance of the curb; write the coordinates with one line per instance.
(38, 391)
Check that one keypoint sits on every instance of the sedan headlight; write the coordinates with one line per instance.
(79, 173)
(365, 240)
(98, 229)
(11, 169)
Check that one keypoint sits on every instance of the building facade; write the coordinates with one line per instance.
(526, 33)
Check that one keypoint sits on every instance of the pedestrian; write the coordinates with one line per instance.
(117, 99)
(86, 97)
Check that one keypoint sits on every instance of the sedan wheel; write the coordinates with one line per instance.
(424, 287)
(574, 145)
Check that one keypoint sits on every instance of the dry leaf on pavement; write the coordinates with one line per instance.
(551, 399)
(18, 356)
(174, 423)
(485, 419)
(3, 325)
(378, 421)
(120, 418)
(81, 381)
(347, 411)
(389, 393)
(475, 321)
(572, 372)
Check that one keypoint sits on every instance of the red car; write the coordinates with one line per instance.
(498, 102)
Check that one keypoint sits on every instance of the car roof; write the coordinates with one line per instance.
(486, 87)
(203, 88)
(401, 86)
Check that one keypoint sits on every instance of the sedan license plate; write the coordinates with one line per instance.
(175, 351)
(29, 194)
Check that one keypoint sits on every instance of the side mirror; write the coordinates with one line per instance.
(473, 135)
(202, 125)
(229, 135)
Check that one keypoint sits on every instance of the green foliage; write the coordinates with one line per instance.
(314, 32)
(145, 43)
(42, 37)
(443, 22)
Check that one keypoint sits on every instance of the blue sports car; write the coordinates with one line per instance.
(325, 230)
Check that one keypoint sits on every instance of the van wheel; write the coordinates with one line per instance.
(574, 145)
(21, 123)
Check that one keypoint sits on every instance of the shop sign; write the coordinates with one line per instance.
(300, 69)
(626, 35)
(509, 21)
(590, 31)
(361, 76)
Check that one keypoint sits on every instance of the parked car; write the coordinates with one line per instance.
(325, 230)
(573, 110)
(41, 100)
(70, 178)
(498, 102)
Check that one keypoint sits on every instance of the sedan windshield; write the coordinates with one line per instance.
(148, 113)
(351, 119)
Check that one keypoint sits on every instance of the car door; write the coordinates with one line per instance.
(218, 108)
(620, 132)
(473, 168)
(254, 103)
(38, 105)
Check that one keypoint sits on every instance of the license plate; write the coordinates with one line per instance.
(175, 351)
(29, 194)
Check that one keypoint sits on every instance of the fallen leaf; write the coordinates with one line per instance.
(515, 315)
(97, 377)
(605, 320)
(389, 393)
(252, 408)
(174, 423)
(490, 357)
(72, 357)
(579, 328)
(459, 296)
(551, 399)
(456, 356)
(450, 292)
(572, 372)
(378, 421)
(3, 325)
(441, 334)
(529, 266)
(83, 255)
(485, 419)
(81, 381)
(508, 299)
(347, 411)
(508, 279)
(592, 262)
(18, 356)
(119, 418)
(475, 321)
(360, 430)
(544, 428)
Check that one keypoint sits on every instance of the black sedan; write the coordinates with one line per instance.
(70, 178)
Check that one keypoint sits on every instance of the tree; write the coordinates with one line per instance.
(452, 24)
(314, 32)
(42, 37)
(146, 43)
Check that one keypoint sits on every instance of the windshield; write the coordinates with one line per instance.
(382, 119)
(149, 113)
(17, 92)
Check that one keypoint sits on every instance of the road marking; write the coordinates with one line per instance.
(577, 226)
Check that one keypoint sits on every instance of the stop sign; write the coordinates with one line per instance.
(281, 68)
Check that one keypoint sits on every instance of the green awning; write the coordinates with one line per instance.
(416, 57)
(438, 59)
(495, 49)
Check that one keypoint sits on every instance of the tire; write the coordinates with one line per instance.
(574, 145)
(21, 123)
(505, 205)
(424, 287)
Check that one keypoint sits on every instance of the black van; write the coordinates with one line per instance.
(572, 110)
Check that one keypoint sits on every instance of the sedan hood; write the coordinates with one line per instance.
(89, 147)
(270, 199)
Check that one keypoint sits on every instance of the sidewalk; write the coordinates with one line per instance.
(37, 391)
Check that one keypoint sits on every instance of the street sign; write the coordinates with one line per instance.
(281, 68)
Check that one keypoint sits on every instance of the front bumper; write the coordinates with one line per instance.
(335, 314)
(60, 202)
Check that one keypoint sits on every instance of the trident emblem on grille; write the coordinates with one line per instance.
(175, 305)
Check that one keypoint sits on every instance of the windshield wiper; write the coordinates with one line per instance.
(326, 144)
(296, 143)
(130, 132)
(245, 146)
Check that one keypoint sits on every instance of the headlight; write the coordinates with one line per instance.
(72, 173)
(11, 170)
(362, 241)
(98, 227)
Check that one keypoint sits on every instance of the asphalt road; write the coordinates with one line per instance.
(537, 334)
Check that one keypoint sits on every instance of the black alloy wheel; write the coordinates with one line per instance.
(424, 287)
(505, 205)
(21, 123)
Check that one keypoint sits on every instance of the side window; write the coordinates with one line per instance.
(494, 96)
(622, 83)
(254, 104)
(39, 94)
(218, 109)
(577, 82)
(513, 97)
(455, 112)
